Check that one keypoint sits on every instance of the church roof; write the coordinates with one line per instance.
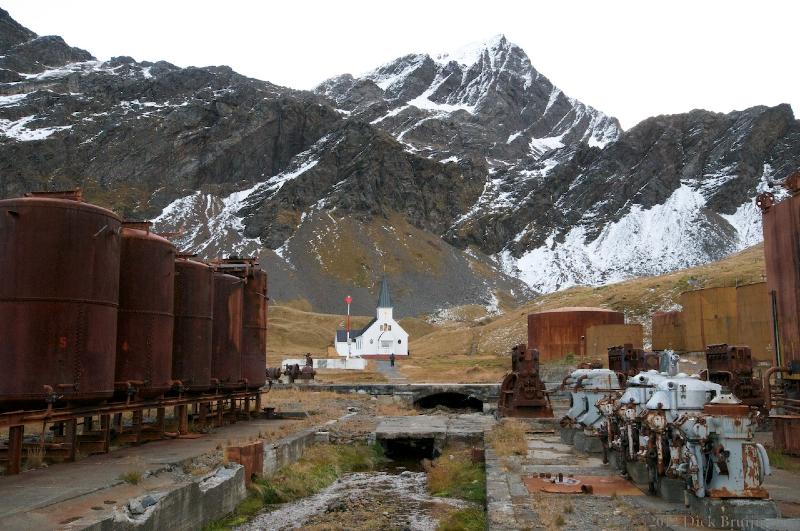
(341, 335)
(385, 299)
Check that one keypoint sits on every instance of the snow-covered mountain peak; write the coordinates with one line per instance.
(471, 53)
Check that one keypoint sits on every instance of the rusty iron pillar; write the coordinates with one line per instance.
(732, 367)
(522, 392)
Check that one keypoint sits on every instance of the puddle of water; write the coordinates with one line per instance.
(369, 500)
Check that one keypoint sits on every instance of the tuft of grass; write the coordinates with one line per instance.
(508, 437)
(469, 519)
(34, 457)
(780, 460)
(455, 475)
(132, 477)
(559, 521)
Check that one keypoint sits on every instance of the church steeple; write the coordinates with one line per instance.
(385, 299)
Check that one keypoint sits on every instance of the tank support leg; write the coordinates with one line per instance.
(233, 411)
(161, 421)
(247, 406)
(118, 422)
(258, 404)
(182, 412)
(220, 412)
(105, 429)
(87, 425)
(15, 434)
(137, 426)
(71, 435)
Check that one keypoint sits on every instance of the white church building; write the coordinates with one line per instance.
(382, 336)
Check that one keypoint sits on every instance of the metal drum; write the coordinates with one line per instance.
(146, 302)
(59, 268)
(194, 305)
(254, 330)
(226, 339)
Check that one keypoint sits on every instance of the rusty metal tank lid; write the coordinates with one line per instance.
(577, 309)
(58, 199)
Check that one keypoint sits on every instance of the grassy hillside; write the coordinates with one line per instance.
(470, 346)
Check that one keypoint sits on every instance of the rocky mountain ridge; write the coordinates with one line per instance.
(466, 177)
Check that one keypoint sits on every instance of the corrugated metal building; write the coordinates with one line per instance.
(599, 338)
(754, 320)
(709, 317)
(668, 331)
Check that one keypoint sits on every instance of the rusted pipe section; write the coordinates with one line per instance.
(767, 385)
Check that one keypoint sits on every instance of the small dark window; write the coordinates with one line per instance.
(399, 341)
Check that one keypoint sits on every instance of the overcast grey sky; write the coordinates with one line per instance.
(630, 59)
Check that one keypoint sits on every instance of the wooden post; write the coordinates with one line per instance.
(137, 426)
(71, 435)
(118, 422)
(233, 411)
(161, 421)
(15, 434)
(258, 404)
(182, 412)
(247, 406)
(105, 429)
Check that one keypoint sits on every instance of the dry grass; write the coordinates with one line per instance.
(347, 376)
(34, 457)
(394, 409)
(453, 474)
(132, 477)
(508, 438)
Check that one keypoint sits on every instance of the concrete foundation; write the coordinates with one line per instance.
(672, 490)
(731, 513)
(776, 524)
(187, 507)
(616, 460)
(588, 444)
(638, 472)
(567, 435)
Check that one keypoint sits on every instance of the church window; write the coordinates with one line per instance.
(390, 327)
(370, 341)
(399, 341)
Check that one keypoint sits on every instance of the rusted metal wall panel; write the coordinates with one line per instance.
(146, 311)
(782, 255)
(709, 317)
(559, 333)
(254, 329)
(194, 305)
(668, 331)
(599, 338)
(754, 320)
(59, 269)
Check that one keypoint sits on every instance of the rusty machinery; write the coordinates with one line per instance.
(627, 361)
(522, 393)
(583, 423)
(732, 367)
(781, 385)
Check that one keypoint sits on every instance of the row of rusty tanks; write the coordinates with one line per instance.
(92, 308)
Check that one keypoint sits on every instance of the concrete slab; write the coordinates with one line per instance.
(23, 495)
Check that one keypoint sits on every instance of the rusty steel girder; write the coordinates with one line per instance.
(522, 392)
(732, 367)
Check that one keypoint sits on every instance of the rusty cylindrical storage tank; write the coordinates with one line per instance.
(146, 305)
(558, 333)
(781, 223)
(194, 307)
(254, 329)
(59, 265)
(226, 339)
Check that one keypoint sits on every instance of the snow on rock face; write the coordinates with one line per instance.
(677, 234)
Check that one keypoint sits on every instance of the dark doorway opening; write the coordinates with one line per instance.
(451, 401)
(409, 449)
